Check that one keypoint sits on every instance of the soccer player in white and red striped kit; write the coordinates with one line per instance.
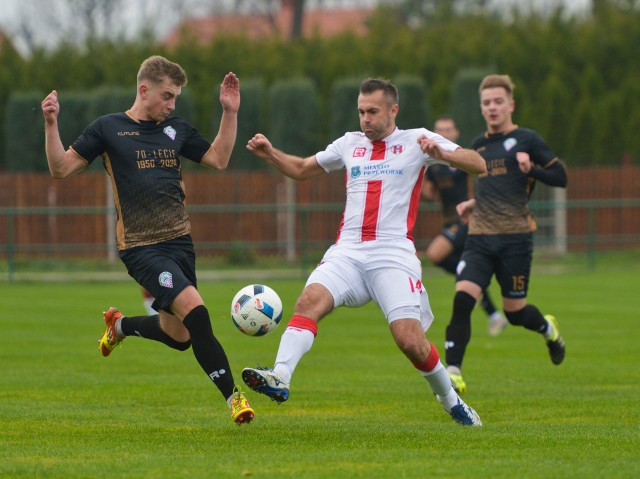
(374, 257)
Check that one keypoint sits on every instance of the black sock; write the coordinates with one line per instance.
(149, 327)
(487, 303)
(529, 317)
(208, 350)
(459, 329)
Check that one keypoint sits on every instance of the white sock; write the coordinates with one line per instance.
(440, 383)
(449, 400)
(119, 333)
(294, 344)
(438, 379)
(454, 370)
(550, 331)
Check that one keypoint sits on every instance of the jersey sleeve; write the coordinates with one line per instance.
(540, 153)
(89, 144)
(445, 144)
(330, 159)
(195, 145)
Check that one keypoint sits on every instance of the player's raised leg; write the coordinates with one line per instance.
(295, 342)
(532, 319)
(313, 304)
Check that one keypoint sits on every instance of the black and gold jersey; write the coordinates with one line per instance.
(502, 193)
(452, 185)
(142, 158)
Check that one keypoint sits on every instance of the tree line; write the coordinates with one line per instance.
(577, 79)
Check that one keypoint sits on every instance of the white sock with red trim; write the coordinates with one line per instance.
(295, 342)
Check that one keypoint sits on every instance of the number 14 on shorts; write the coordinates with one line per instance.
(416, 285)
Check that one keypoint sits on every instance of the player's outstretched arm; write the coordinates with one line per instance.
(467, 160)
(219, 154)
(292, 166)
(462, 158)
(553, 174)
(61, 163)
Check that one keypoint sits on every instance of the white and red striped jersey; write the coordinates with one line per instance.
(384, 179)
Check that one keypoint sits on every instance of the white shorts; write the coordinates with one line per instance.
(389, 273)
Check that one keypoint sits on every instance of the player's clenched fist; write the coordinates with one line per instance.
(259, 145)
(51, 107)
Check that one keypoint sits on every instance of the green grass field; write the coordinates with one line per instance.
(357, 409)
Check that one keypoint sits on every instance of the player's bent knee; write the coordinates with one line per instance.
(182, 346)
(409, 337)
(315, 302)
(516, 318)
(412, 348)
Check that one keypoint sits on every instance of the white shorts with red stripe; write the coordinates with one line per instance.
(386, 272)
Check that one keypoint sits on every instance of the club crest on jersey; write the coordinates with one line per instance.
(355, 171)
(166, 279)
(509, 143)
(359, 152)
(170, 132)
(397, 149)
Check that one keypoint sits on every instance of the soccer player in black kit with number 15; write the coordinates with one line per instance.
(500, 239)
(141, 150)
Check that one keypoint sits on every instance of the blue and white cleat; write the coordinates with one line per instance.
(265, 381)
(464, 414)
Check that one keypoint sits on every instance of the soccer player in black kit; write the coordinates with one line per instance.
(141, 150)
(500, 238)
(451, 187)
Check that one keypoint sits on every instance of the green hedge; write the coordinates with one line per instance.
(294, 116)
(413, 101)
(24, 133)
(343, 107)
(250, 121)
(576, 78)
(465, 104)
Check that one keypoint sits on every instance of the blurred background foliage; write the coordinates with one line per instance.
(577, 79)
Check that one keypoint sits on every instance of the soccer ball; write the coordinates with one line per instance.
(256, 310)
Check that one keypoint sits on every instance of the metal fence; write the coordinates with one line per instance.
(262, 214)
(564, 225)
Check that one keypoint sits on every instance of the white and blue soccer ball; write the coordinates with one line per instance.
(256, 310)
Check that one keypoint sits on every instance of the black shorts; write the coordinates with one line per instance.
(164, 269)
(456, 233)
(507, 256)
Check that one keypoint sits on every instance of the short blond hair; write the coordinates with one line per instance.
(498, 81)
(157, 68)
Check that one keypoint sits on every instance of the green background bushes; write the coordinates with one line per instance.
(576, 79)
